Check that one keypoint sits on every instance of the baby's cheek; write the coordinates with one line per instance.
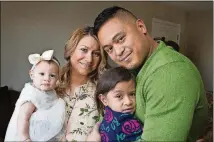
(53, 84)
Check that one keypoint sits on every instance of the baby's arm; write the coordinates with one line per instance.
(25, 113)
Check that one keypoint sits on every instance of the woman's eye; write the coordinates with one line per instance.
(41, 74)
(84, 49)
(96, 54)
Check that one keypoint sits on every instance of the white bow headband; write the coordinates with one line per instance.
(34, 59)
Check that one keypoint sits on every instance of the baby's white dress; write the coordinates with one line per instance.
(47, 122)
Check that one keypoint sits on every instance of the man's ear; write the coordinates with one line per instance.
(31, 74)
(141, 26)
(103, 99)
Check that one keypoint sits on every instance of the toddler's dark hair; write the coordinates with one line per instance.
(108, 80)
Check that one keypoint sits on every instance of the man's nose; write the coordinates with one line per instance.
(119, 50)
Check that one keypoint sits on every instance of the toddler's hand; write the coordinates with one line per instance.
(94, 135)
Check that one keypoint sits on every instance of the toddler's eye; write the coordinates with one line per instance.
(53, 75)
(132, 94)
(41, 73)
(119, 96)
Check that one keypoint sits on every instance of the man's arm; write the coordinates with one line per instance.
(171, 94)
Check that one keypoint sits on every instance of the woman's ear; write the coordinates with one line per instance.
(141, 26)
(103, 99)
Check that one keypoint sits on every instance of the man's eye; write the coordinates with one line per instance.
(41, 74)
(121, 39)
(109, 49)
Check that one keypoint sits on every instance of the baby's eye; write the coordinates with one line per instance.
(53, 75)
(42, 74)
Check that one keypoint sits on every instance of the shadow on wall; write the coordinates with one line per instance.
(171, 43)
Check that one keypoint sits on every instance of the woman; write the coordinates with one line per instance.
(85, 59)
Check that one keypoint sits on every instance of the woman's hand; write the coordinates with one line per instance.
(94, 135)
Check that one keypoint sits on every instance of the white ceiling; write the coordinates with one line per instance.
(192, 5)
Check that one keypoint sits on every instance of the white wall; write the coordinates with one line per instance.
(29, 27)
(200, 44)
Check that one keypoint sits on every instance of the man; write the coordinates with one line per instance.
(170, 94)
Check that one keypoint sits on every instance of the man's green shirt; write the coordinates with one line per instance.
(170, 97)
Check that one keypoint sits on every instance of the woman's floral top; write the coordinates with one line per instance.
(81, 111)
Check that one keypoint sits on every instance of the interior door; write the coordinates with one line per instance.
(169, 30)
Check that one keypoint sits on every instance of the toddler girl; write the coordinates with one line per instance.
(39, 114)
(116, 95)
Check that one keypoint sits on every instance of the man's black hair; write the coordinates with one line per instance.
(107, 14)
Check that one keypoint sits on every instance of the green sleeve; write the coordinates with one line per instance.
(171, 94)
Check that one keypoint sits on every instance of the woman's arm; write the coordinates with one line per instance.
(25, 113)
(82, 119)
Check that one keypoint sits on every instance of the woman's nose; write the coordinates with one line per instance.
(89, 58)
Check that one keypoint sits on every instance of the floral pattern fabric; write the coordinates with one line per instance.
(81, 111)
(117, 126)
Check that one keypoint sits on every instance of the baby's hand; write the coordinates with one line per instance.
(28, 140)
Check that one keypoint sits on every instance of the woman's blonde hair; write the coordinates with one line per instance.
(70, 47)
